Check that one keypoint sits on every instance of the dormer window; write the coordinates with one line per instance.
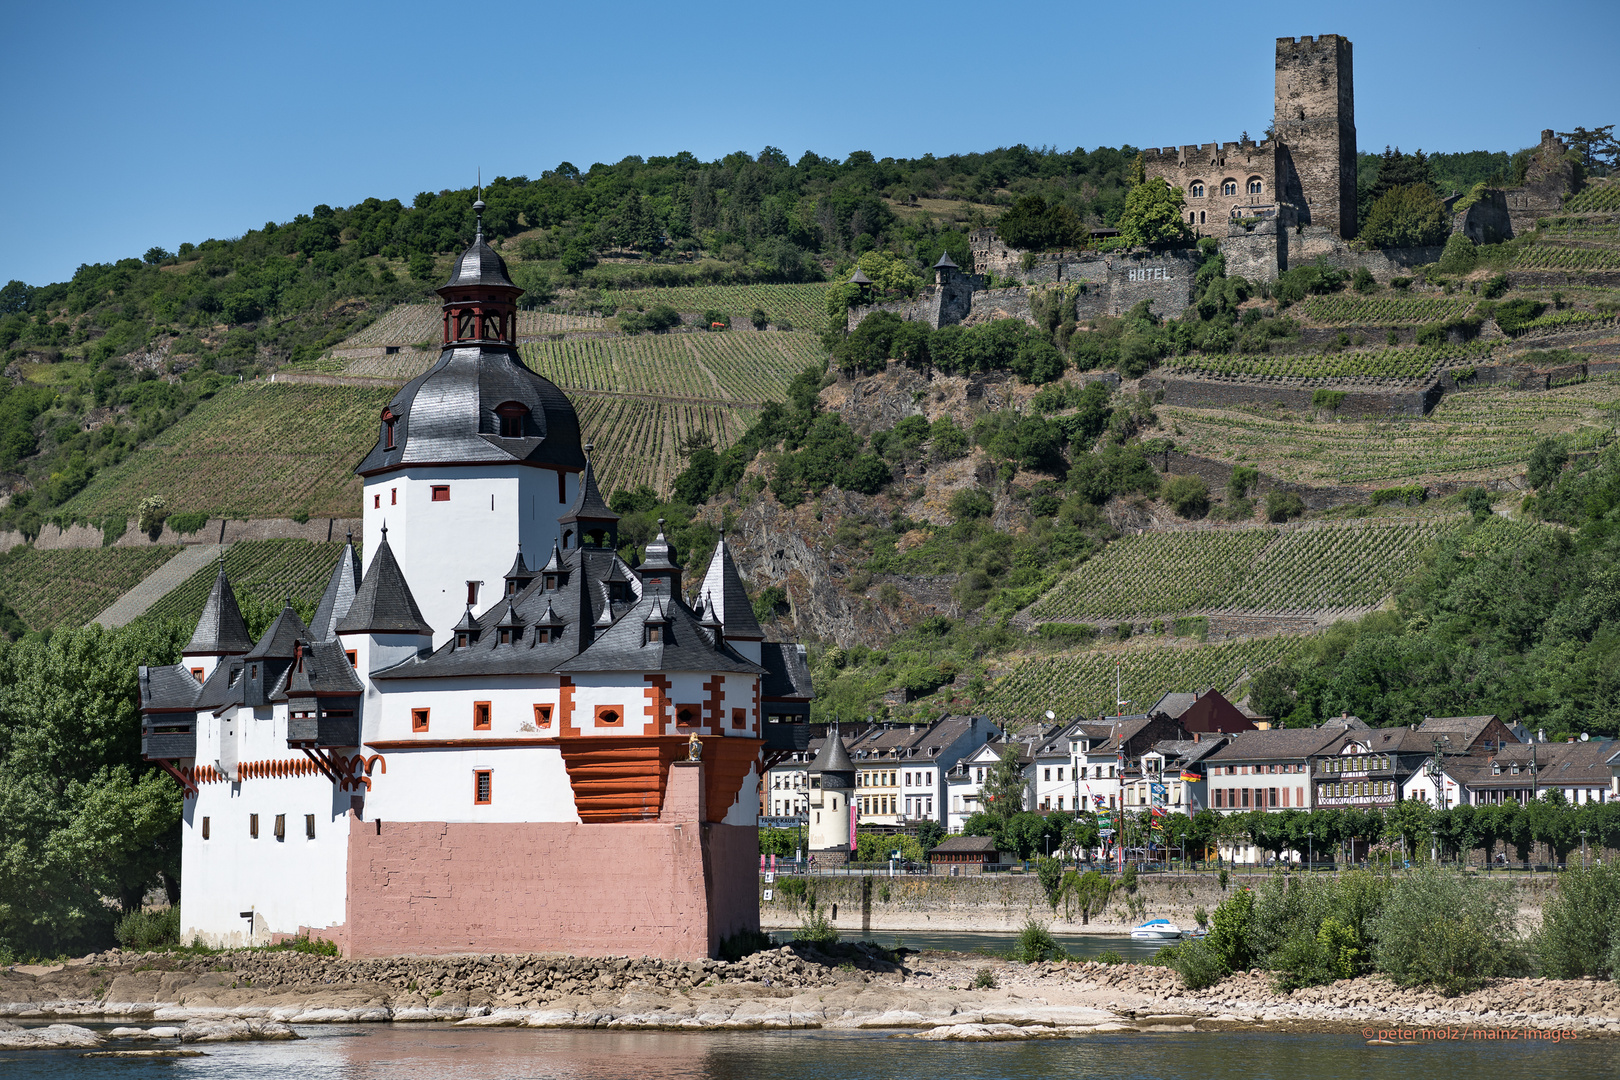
(461, 640)
(506, 636)
(654, 634)
(551, 582)
(388, 419)
(510, 414)
(542, 636)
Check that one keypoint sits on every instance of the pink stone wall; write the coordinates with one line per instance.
(671, 888)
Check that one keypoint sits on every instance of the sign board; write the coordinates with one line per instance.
(767, 894)
(781, 822)
(770, 879)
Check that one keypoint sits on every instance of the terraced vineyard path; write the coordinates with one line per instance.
(159, 583)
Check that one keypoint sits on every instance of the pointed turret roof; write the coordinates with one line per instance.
(946, 260)
(589, 505)
(555, 564)
(519, 568)
(660, 553)
(730, 603)
(221, 630)
(833, 758)
(859, 277)
(384, 602)
(282, 638)
(339, 594)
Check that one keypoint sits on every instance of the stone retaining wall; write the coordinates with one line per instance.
(215, 531)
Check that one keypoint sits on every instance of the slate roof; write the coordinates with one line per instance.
(220, 631)
(833, 758)
(588, 504)
(787, 672)
(169, 688)
(722, 582)
(859, 277)
(325, 670)
(1467, 728)
(683, 645)
(480, 264)
(281, 639)
(447, 415)
(946, 260)
(1277, 744)
(384, 603)
(341, 588)
(1174, 704)
(1577, 764)
(223, 686)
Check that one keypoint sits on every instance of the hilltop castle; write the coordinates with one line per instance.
(501, 737)
(1304, 173)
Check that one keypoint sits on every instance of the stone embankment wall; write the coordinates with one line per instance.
(1368, 398)
(215, 531)
(1003, 902)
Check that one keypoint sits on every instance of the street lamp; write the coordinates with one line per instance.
(1435, 835)
(1310, 845)
(1583, 849)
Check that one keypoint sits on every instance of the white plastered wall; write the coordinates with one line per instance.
(474, 536)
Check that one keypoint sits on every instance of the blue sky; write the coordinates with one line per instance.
(141, 124)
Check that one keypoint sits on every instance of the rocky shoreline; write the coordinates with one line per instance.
(932, 995)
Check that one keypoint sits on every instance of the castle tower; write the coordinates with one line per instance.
(1315, 120)
(475, 458)
(832, 787)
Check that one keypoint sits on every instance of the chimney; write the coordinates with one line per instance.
(1541, 735)
(1195, 736)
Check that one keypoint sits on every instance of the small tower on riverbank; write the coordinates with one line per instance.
(832, 796)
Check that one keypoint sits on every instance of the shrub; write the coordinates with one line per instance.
(1050, 873)
(1459, 256)
(1494, 287)
(150, 514)
(1513, 314)
(1441, 929)
(1282, 505)
(1243, 480)
(971, 503)
(1327, 399)
(984, 979)
(1362, 280)
(1406, 495)
(1580, 925)
(1229, 938)
(759, 318)
(1187, 495)
(1402, 283)
(311, 946)
(816, 929)
(1198, 965)
(1547, 460)
(1109, 956)
(1477, 501)
(1035, 942)
(143, 930)
(186, 524)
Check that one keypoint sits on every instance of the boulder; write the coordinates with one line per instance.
(235, 1030)
(54, 1037)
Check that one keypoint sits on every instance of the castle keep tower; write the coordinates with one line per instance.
(1316, 120)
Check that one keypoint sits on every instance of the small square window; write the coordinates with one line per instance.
(309, 826)
(609, 716)
(393, 496)
(354, 657)
(197, 673)
(376, 501)
(253, 826)
(739, 718)
(483, 787)
(688, 715)
(542, 716)
(480, 716)
(419, 719)
(281, 826)
(441, 492)
(205, 828)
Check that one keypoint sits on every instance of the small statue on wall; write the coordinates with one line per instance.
(694, 748)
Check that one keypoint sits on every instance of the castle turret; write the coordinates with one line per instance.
(220, 630)
(589, 522)
(725, 598)
(383, 624)
(339, 594)
(832, 791)
(660, 572)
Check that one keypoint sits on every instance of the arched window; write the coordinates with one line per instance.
(511, 415)
(1200, 217)
(1197, 189)
(1228, 187)
(1256, 186)
(388, 419)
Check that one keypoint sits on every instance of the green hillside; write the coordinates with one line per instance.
(263, 572)
(69, 587)
(1258, 569)
(254, 450)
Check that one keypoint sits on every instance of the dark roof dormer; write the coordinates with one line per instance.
(711, 625)
(220, 630)
(655, 627)
(281, 640)
(466, 631)
(510, 629)
(548, 627)
(589, 520)
(554, 575)
(518, 578)
(727, 599)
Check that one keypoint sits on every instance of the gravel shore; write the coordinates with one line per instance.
(920, 994)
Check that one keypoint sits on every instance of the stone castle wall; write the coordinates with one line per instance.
(1220, 181)
(672, 888)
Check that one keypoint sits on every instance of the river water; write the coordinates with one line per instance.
(1080, 946)
(443, 1052)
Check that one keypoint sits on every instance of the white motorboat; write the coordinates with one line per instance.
(1157, 930)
